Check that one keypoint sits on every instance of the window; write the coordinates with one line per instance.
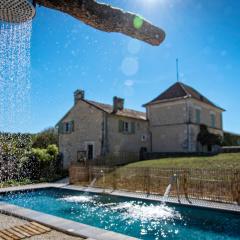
(213, 120)
(67, 127)
(143, 138)
(198, 116)
(126, 127)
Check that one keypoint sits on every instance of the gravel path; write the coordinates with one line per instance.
(9, 221)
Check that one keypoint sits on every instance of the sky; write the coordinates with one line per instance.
(67, 55)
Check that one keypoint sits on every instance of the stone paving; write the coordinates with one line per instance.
(10, 221)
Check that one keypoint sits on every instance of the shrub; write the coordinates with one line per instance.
(208, 139)
(42, 163)
(13, 148)
(45, 138)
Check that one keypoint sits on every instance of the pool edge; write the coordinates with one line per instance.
(61, 224)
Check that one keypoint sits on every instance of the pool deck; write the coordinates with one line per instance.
(90, 232)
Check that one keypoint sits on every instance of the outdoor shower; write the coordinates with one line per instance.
(17, 11)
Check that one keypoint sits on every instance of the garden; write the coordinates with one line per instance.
(29, 158)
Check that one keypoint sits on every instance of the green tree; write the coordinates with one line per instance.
(208, 139)
(46, 137)
(231, 139)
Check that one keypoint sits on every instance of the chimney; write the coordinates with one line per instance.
(118, 104)
(78, 95)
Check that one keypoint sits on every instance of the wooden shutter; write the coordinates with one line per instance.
(132, 127)
(198, 116)
(60, 128)
(72, 126)
(120, 125)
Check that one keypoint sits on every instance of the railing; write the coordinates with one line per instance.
(215, 185)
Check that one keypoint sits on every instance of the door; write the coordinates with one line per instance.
(90, 151)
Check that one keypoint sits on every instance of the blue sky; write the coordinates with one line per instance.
(67, 55)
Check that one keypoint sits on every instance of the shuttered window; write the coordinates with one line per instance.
(120, 126)
(133, 127)
(66, 127)
(126, 127)
(213, 120)
(198, 116)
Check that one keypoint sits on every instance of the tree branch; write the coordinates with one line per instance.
(108, 19)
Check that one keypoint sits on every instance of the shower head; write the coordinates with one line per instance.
(16, 11)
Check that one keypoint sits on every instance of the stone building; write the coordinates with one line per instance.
(91, 130)
(175, 117)
(95, 130)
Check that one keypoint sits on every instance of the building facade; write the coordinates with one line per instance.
(172, 121)
(92, 130)
(175, 117)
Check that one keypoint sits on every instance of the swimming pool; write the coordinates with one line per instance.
(142, 219)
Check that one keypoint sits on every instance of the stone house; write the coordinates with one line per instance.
(95, 130)
(175, 117)
(91, 130)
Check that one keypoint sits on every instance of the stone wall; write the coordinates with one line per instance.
(174, 125)
(206, 111)
(87, 128)
(119, 142)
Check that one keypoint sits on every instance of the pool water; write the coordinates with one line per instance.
(142, 219)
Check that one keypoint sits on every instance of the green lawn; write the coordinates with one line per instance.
(221, 161)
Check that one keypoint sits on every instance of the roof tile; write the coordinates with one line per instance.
(124, 113)
(179, 91)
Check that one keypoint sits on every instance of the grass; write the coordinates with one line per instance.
(221, 161)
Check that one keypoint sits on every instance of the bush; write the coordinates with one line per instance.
(42, 164)
(208, 139)
(13, 148)
(19, 161)
(45, 138)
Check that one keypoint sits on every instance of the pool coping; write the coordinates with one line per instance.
(87, 231)
(62, 224)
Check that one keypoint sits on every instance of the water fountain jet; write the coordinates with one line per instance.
(168, 189)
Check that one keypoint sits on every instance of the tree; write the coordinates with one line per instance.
(208, 139)
(106, 18)
(231, 139)
(45, 138)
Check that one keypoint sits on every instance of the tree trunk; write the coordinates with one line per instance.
(108, 19)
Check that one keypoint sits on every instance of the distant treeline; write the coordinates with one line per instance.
(231, 139)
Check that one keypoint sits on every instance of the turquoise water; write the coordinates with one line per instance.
(138, 218)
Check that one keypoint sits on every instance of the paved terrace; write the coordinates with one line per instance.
(9, 221)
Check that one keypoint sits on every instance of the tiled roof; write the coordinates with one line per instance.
(179, 91)
(124, 113)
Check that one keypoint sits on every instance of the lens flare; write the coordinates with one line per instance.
(137, 22)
